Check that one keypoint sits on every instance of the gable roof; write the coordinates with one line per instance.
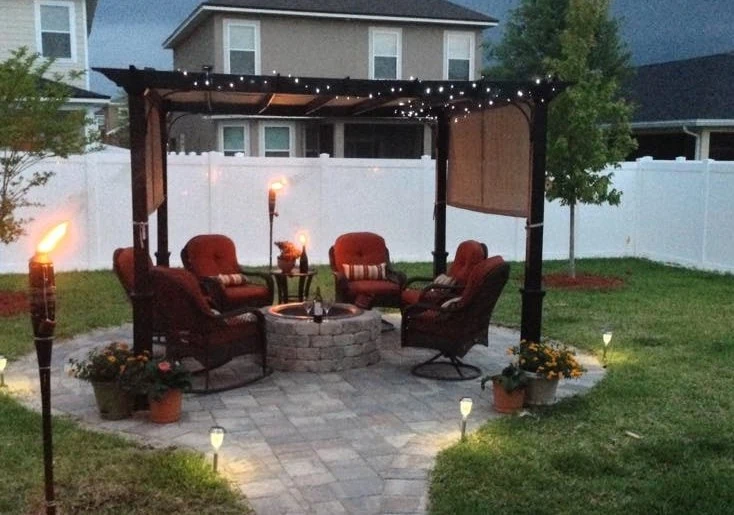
(690, 90)
(414, 11)
(77, 95)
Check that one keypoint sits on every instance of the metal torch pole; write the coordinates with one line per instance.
(271, 214)
(43, 319)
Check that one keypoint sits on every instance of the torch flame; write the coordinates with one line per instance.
(52, 238)
(303, 238)
(277, 185)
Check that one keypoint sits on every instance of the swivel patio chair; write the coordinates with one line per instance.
(123, 263)
(360, 263)
(213, 260)
(451, 284)
(458, 324)
(194, 330)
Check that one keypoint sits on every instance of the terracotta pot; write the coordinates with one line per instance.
(286, 265)
(112, 402)
(507, 402)
(167, 409)
(540, 391)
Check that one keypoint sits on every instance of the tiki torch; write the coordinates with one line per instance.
(272, 192)
(43, 319)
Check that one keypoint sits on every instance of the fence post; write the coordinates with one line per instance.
(706, 195)
(639, 193)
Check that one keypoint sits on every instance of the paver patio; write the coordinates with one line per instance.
(360, 441)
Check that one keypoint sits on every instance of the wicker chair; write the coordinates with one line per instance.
(193, 329)
(212, 257)
(123, 263)
(468, 254)
(365, 248)
(454, 327)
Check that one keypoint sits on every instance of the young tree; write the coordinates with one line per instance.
(33, 128)
(588, 128)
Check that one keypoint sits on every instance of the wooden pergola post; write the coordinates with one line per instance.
(142, 294)
(163, 255)
(532, 291)
(443, 133)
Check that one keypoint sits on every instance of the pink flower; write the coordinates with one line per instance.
(164, 366)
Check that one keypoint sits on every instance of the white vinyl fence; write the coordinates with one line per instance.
(672, 211)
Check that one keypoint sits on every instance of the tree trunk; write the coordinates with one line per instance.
(572, 242)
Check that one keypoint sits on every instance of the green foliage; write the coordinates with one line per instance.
(511, 378)
(588, 127)
(34, 127)
(106, 364)
(161, 375)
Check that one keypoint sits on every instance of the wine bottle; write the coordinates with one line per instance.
(303, 262)
(318, 307)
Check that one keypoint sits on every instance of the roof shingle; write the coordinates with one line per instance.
(700, 88)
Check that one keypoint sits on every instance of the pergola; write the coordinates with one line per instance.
(153, 95)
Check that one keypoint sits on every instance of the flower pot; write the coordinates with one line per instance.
(507, 402)
(112, 402)
(286, 265)
(167, 409)
(540, 391)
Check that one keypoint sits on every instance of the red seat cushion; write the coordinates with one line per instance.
(359, 248)
(410, 296)
(373, 288)
(211, 254)
(247, 295)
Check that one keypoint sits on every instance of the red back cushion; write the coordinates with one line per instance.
(477, 276)
(468, 254)
(359, 248)
(210, 254)
(123, 262)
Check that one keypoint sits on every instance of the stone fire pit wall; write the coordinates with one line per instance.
(336, 344)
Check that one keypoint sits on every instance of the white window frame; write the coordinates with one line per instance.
(399, 64)
(291, 136)
(245, 136)
(72, 27)
(231, 22)
(472, 45)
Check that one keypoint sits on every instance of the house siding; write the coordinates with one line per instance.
(18, 28)
(199, 48)
(316, 48)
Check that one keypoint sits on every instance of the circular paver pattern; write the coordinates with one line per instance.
(356, 441)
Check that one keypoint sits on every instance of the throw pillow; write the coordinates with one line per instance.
(451, 303)
(231, 279)
(445, 280)
(365, 272)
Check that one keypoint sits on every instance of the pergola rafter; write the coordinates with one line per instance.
(153, 95)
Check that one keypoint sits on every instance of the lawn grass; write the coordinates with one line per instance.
(669, 382)
(94, 473)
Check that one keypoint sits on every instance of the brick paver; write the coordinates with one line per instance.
(358, 441)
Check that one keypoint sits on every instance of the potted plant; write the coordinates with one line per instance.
(508, 388)
(108, 370)
(164, 382)
(288, 255)
(544, 364)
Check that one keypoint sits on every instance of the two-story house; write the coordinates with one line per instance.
(376, 39)
(57, 29)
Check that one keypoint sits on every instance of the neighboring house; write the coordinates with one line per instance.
(57, 29)
(685, 108)
(376, 39)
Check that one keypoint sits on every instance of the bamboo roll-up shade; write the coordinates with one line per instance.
(490, 162)
(154, 157)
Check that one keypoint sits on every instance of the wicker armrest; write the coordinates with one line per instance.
(412, 280)
(241, 316)
(397, 276)
(264, 276)
(213, 290)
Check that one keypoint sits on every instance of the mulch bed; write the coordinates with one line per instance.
(13, 303)
(582, 282)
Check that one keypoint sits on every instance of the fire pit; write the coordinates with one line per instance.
(347, 338)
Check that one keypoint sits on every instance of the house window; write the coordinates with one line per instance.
(383, 141)
(458, 55)
(55, 24)
(385, 53)
(233, 139)
(277, 140)
(242, 47)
